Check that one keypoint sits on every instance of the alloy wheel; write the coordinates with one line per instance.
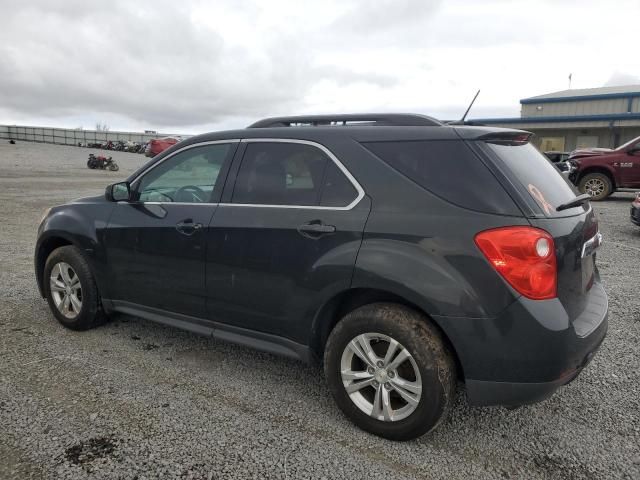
(66, 290)
(594, 187)
(381, 377)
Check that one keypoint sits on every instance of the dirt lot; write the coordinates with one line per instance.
(137, 400)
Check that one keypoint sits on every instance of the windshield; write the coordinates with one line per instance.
(628, 144)
(542, 181)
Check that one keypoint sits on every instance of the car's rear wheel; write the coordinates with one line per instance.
(71, 290)
(389, 371)
(598, 185)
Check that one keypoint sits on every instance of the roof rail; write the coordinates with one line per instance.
(365, 119)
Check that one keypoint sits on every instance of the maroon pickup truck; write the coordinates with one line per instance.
(600, 171)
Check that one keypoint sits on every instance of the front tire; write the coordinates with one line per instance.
(71, 290)
(390, 371)
(598, 185)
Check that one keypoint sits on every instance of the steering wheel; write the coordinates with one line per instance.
(190, 194)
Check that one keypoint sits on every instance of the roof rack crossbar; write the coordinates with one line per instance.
(368, 119)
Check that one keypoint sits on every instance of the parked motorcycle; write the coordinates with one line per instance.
(102, 163)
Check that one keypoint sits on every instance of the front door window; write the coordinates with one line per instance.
(187, 177)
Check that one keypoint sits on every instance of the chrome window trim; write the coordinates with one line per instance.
(329, 154)
(321, 147)
(186, 147)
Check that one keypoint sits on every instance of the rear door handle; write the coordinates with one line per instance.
(187, 227)
(316, 229)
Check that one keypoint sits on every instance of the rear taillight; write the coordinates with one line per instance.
(524, 256)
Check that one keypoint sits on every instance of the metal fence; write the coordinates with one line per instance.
(68, 136)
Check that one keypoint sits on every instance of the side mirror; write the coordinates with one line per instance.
(118, 192)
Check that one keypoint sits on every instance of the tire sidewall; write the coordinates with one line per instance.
(89, 311)
(407, 327)
(605, 179)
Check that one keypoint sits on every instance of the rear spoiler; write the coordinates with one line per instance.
(507, 138)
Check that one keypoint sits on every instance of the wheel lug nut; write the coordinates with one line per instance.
(376, 384)
(380, 364)
(371, 370)
(391, 374)
(387, 385)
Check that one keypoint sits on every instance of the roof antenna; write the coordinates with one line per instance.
(461, 121)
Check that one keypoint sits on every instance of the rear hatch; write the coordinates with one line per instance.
(539, 189)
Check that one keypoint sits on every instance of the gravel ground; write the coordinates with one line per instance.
(137, 400)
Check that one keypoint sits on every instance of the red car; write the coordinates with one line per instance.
(600, 171)
(157, 145)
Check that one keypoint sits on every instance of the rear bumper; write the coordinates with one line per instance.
(484, 393)
(529, 351)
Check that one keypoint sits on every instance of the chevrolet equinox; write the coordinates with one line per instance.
(403, 253)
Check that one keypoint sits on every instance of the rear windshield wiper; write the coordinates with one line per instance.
(579, 200)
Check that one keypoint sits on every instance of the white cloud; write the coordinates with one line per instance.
(196, 65)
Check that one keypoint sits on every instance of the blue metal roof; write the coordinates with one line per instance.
(562, 119)
(579, 98)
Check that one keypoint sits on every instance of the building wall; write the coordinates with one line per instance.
(582, 107)
(566, 122)
(605, 137)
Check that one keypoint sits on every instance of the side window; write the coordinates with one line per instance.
(188, 177)
(450, 170)
(279, 173)
(337, 190)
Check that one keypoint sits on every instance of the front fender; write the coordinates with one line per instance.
(78, 224)
(614, 173)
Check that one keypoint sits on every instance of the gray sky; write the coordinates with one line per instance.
(192, 66)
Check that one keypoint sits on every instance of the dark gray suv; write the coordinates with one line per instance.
(403, 253)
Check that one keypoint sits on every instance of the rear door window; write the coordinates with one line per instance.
(450, 170)
(279, 173)
(337, 190)
(542, 182)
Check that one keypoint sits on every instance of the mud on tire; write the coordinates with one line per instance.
(435, 364)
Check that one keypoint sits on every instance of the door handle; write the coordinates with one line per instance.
(187, 227)
(316, 229)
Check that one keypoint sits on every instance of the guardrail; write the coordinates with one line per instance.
(68, 136)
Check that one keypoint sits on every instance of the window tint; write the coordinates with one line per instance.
(337, 190)
(279, 173)
(448, 169)
(188, 177)
(538, 177)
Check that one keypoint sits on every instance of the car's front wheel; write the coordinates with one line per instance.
(389, 371)
(598, 185)
(71, 290)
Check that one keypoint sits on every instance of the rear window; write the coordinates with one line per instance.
(540, 179)
(450, 170)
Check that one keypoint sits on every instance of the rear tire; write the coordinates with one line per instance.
(71, 291)
(404, 400)
(598, 185)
